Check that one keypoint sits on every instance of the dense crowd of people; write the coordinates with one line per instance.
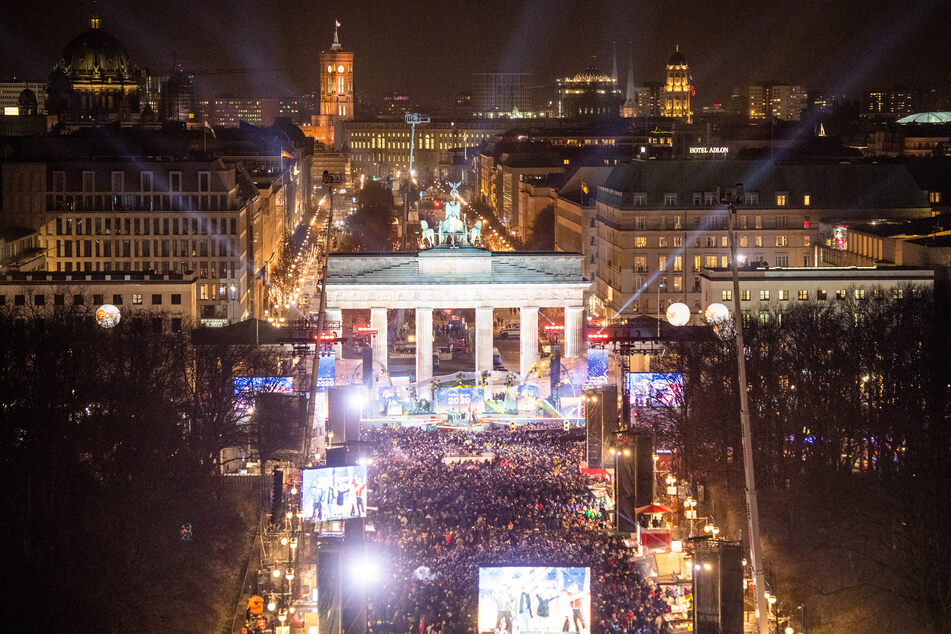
(525, 503)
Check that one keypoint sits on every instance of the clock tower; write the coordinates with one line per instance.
(336, 83)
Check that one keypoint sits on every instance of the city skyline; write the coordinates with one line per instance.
(247, 51)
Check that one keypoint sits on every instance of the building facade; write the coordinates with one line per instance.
(381, 148)
(763, 291)
(145, 216)
(169, 298)
(589, 95)
(11, 94)
(660, 223)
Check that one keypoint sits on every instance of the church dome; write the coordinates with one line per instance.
(589, 75)
(677, 58)
(94, 54)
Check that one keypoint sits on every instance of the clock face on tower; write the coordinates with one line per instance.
(330, 68)
(340, 68)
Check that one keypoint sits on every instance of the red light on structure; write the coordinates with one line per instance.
(555, 328)
(327, 336)
(598, 336)
(448, 311)
(363, 330)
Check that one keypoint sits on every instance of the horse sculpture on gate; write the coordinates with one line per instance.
(475, 233)
(428, 236)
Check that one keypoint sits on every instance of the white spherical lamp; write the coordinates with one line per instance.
(108, 316)
(678, 314)
(716, 313)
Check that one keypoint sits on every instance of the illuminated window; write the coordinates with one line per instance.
(935, 197)
(764, 296)
(780, 200)
(662, 242)
(822, 294)
(858, 293)
(670, 200)
(759, 241)
(640, 264)
(726, 296)
(136, 299)
(897, 293)
(745, 295)
(840, 294)
(806, 200)
(803, 294)
(805, 241)
(640, 242)
(783, 295)
(724, 262)
(724, 242)
(678, 263)
(744, 241)
(710, 262)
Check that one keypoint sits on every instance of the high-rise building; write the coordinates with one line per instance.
(769, 100)
(177, 101)
(650, 99)
(229, 112)
(889, 104)
(495, 94)
(678, 88)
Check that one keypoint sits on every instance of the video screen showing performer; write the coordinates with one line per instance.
(334, 493)
(534, 600)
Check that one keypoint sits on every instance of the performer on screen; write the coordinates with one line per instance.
(357, 490)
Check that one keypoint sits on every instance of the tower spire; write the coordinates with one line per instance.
(629, 95)
(614, 64)
(336, 45)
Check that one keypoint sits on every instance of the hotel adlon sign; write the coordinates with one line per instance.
(716, 150)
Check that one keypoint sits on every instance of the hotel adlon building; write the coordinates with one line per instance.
(659, 223)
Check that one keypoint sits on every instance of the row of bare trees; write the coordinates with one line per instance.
(850, 403)
(110, 446)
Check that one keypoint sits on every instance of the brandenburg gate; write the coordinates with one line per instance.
(459, 277)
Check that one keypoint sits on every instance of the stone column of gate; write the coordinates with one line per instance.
(528, 335)
(378, 323)
(333, 319)
(574, 337)
(424, 351)
(483, 339)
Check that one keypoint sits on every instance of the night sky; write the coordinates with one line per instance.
(429, 47)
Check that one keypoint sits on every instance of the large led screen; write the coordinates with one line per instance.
(647, 389)
(334, 493)
(535, 599)
(597, 366)
(245, 387)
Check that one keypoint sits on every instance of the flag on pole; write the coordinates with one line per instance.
(337, 22)
(286, 154)
(210, 129)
